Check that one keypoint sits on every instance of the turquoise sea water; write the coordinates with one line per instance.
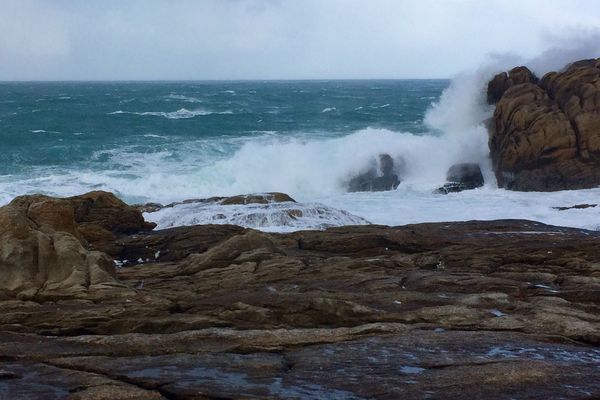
(58, 137)
(170, 141)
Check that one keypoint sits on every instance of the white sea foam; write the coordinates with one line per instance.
(182, 113)
(315, 167)
(43, 131)
(280, 217)
(181, 97)
(328, 109)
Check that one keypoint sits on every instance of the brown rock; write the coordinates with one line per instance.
(37, 259)
(425, 310)
(546, 135)
(502, 81)
(97, 219)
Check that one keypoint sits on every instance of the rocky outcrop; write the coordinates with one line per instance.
(461, 177)
(381, 176)
(545, 134)
(98, 219)
(501, 82)
(41, 252)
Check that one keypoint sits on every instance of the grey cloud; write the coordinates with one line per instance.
(275, 39)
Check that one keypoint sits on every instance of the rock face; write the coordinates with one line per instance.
(378, 178)
(426, 311)
(461, 177)
(98, 219)
(545, 134)
(41, 251)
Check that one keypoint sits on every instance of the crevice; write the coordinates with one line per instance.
(118, 378)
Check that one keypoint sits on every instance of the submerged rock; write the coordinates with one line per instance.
(461, 177)
(545, 134)
(379, 177)
(576, 207)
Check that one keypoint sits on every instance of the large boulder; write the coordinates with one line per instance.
(379, 177)
(37, 259)
(465, 176)
(545, 134)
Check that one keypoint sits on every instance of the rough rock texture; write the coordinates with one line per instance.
(461, 177)
(241, 199)
(41, 253)
(98, 219)
(545, 134)
(473, 310)
(379, 177)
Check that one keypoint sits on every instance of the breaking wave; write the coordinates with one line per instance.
(182, 113)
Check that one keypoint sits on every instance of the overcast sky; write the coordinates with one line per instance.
(277, 39)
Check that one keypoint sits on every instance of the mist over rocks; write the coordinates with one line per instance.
(545, 133)
(380, 176)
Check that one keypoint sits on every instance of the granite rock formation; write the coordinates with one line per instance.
(545, 134)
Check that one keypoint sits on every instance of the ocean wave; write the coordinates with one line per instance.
(181, 97)
(182, 113)
(328, 109)
(43, 131)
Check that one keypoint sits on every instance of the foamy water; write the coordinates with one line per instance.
(149, 143)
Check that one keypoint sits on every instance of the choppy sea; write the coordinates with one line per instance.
(169, 141)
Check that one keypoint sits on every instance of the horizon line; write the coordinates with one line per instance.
(216, 80)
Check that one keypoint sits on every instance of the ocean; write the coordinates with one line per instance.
(170, 141)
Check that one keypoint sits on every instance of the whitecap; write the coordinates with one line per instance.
(181, 97)
(182, 113)
(42, 131)
(328, 109)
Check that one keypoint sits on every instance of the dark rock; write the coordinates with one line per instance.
(576, 206)
(461, 177)
(261, 198)
(546, 134)
(148, 207)
(379, 177)
(496, 87)
(173, 244)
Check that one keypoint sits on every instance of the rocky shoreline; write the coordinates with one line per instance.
(98, 304)
(496, 309)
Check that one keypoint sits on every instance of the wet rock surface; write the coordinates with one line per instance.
(465, 310)
(465, 176)
(545, 134)
(380, 176)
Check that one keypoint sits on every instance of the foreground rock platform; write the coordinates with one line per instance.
(471, 310)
